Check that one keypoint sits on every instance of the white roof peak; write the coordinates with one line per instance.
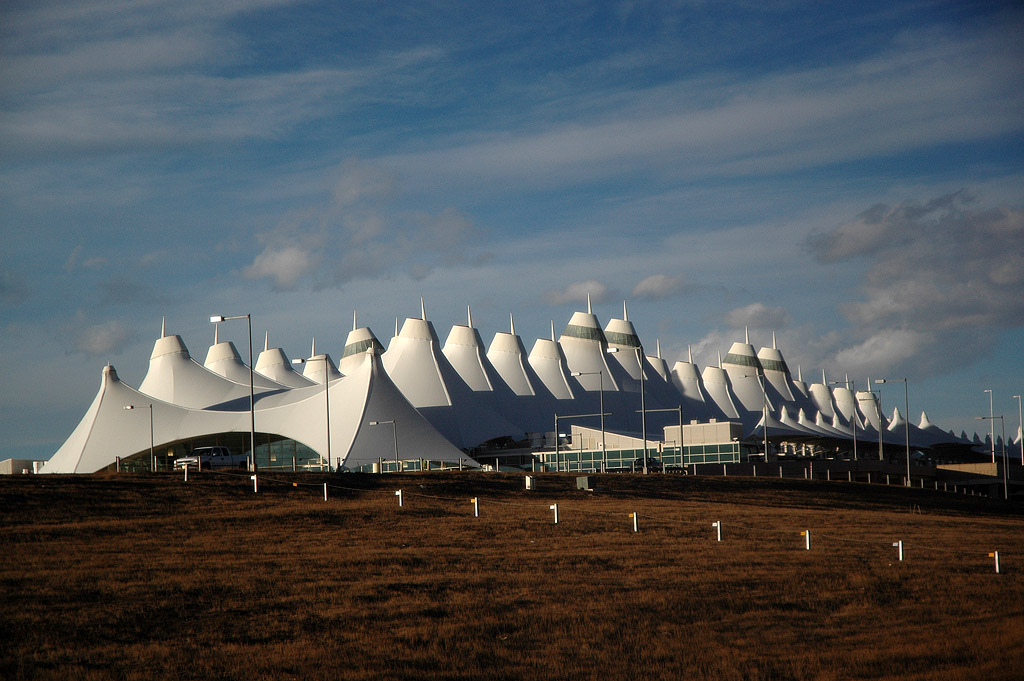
(553, 329)
(511, 324)
(719, 359)
(774, 344)
(590, 308)
(266, 341)
(625, 315)
(216, 333)
(746, 335)
(689, 353)
(469, 316)
(354, 324)
(423, 310)
(658, 347)
(163, 326)
(312, 348)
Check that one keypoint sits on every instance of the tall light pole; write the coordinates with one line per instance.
(680, 410)
(853, 388)
(881, 416)
(327, 400)
(1002, 423)
(604, 450)
(152, 454)
(764, 398)
(216, 319)
(558, 465)
(906, 420)
(1020, 420)
(394, 427)
(992, 422)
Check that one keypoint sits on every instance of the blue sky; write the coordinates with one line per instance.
(846, 175)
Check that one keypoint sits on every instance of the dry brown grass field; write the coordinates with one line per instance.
(149, 577)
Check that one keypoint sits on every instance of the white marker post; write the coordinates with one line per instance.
(325, 491)
(636, 526)
(899, 545)
(398, 494)
(554, 507)
(995, 554)
(476, 507)
(807, 541)
(255, 484)
(186, 472)
(718, 525)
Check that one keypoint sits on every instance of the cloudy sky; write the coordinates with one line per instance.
(849, 176)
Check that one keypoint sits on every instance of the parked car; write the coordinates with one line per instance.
(653, 465)
(208, 458)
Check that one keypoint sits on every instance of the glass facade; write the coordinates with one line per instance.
(585, 332)
(742, 360)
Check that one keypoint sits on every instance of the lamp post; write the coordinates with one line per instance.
(604, 450)
(1020, 420)
(1002, 423)
(152, 454)
(216, 319)
(558, 464)
(327, 400)
(992, 421)
(764, 398)
(906, 424)
(680, 410)
(394, 427)
(853, 388)
(881, 455)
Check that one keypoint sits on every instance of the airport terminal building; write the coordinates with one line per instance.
(590, 399)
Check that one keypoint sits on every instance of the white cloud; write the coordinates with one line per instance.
(283, 266)
(105, 338)
(883, 350)
(577, 292)
(757, 316)
(658, 287)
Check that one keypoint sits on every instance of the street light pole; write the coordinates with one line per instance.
(1020, 420)
(327, 400)
(853, 388)
(152, 452)
(1002, 425)
(604, 450)
(216, 319)
(992, 423)
(764, 400)
(906, 419)
(394, 427)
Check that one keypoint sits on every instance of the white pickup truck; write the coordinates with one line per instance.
(210, 458)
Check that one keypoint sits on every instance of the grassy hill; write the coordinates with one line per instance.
(149, 577)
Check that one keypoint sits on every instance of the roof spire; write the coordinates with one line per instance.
(659, 348)
(590, 309)
(312, 348)
(469, 316)
(423, 310)
(216, 333)
(163, 326)
(266, 341)
(354, 327)
(689, 352)
(396, 327)
(774, 346)
(746, 335)
(625, 316)
(719, 359)
(552, 329)
(799, 374)
(511, 324)
(824, 381)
